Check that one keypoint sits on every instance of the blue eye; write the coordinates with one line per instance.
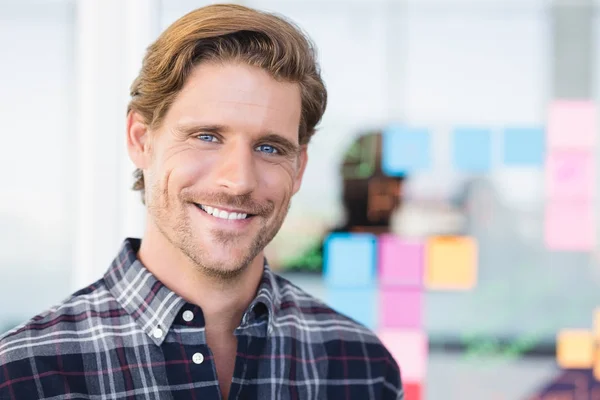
(267, 149)
(206, 137)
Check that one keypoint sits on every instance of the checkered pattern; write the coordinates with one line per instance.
(104, 343)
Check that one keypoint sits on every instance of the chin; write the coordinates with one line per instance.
(224, 269)
(228, 257)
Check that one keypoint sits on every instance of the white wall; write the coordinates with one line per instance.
(36, 155)
(66, 203)
(111, 38)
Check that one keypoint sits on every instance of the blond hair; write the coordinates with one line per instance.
(227, 32)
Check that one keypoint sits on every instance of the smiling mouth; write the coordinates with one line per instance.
(222, 214)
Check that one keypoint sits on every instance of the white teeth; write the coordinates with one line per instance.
(215, 212)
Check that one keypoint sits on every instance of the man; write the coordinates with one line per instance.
(218, 126)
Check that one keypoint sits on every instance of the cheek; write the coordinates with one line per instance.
(277, 181)
(188, 166)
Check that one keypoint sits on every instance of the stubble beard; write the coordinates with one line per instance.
(178, 231)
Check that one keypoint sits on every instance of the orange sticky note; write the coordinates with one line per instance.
(451, 263)
(575, 349)
(597, 323)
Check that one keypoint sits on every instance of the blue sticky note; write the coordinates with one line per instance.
(358, 304)
(524, 146)
(472, 149)
(405, 150)
(349, 260)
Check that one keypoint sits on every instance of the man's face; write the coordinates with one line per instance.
(224, 165)
(383, 199)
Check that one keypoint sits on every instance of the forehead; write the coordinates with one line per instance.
(239, 96)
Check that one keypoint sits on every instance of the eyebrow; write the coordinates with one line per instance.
(188, 129)
(287, 145)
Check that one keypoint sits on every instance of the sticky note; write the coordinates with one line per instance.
(405, 150)
(358, 304)
(400, 261)
(349, 260)
(410, 350)
(570, 226)
(524, 146)
(572, 124)
(413, 390)
(401, 308)
(570, 174)
(472, 149)
(575, 349)
(451, 263)
(597, 323)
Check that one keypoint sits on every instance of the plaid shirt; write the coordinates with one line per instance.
(128, 336)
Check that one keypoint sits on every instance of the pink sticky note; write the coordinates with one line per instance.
(570, 174)
(572, 123)
(400, 262)
(401, 308)
(410, 350)
(570, 226)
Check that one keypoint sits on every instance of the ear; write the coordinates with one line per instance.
(301, 167)
(138, 140)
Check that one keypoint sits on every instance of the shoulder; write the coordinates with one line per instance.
(303, 311)
(72, 320)
(340, 340)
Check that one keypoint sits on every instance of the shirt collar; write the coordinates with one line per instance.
(268, 294)
(154, 307)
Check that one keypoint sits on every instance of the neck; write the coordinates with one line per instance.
(223, 302)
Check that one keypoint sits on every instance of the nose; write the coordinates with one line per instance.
(236, 171)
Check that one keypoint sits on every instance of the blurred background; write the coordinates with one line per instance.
(459, 146)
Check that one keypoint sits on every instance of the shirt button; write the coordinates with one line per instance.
(188, 315)
(198, 358)
(157, 333)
